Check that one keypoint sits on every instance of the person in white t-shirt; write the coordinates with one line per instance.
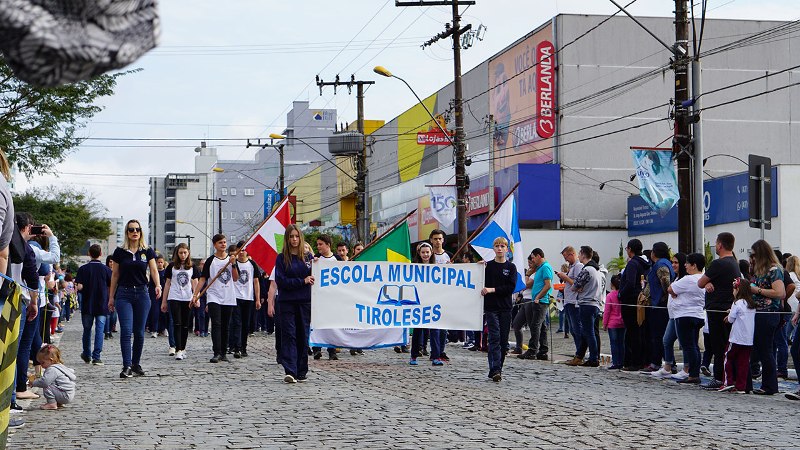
(248, 289)
(687, 302)
(220, 295)
(742, 317)
(179, 289)
(438, 355)
(324, 253)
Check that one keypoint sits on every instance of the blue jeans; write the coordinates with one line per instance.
(99, 323)
(766, 326)
(588, 318)
(133, 306)
(670, 336)
(499, 325)
(688, 334)
(437, 338)
(574, 318)
(27, 333)
(616, 336)
(111, 322)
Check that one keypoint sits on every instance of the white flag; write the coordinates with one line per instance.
(443, 204)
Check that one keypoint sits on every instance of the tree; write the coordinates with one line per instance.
(73, 215)
(38, 126)
(616, 265)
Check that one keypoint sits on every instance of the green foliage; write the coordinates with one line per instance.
(38, 126)
(708, 253)
(73, 215)
(615, 265)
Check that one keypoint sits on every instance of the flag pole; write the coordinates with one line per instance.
(386, 232)
(491, 214)
(236, 253)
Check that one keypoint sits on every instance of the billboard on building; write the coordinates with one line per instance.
(409, 153)
(522, 100)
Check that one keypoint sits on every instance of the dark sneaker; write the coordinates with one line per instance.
(527, 355)
(443, 356)
(497, 377)
(689, 381)
(755, 375)
(332, 357)
(244, 353)
(215, 359)
(301, 379)
(542, 357)
(16, 407)
(85, 358)
(793, 395)
(404, 348)
(353, 352)
(223, 358)
(97, 362)
(397, 349)
(425, 352)
(474, 348)
(137, 371)
(237, 354)
(318, 353)
(126, 372)
(591, 364)
(762, 392)
(704, 370)
(712, 385)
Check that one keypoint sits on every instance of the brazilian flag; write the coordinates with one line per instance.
(395, 246)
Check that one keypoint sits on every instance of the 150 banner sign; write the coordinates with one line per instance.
(376, 295)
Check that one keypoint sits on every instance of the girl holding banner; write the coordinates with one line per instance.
(424, 256)
(294, 280)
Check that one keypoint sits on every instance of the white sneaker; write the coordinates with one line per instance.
(681, 375)
(172, 351)
(661, 374)
(153, 335)
(180, 355)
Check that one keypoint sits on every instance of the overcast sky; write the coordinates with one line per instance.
(232, 69)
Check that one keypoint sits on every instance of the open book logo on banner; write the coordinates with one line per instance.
(398, 295)
(658, 182)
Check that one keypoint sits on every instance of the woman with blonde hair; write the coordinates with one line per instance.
(768, 291)
(6, 215)
(128, 294)
(294, 280)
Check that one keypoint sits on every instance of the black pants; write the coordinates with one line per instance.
(718, 331)
(220, 321)
(245, 308)
(295, 319)
(766, 325)
(180, 322)
(657, 320)
(635, 355)
(277, 319)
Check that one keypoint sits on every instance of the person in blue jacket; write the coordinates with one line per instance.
(294, 280)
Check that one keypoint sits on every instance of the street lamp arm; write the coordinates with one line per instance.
(324, 157)
(438, 125)
(603, 184)
(727, 155)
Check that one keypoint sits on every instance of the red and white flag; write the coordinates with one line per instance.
(267, 241)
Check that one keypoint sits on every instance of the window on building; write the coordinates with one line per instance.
(224, 216)
(233, 191)
(249, 192)
(224, 191)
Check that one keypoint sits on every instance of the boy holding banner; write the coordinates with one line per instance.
(501, 279)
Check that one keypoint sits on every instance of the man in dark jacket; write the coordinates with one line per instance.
(630, 287)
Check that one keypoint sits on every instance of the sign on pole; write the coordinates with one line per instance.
(760, 192)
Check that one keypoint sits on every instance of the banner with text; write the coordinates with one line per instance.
(658, 181)
(443, 204)
(379, 295)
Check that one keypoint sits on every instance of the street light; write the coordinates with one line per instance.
(603, 184)
(380, 70)
(279, 136)
(192, 225)
(724, 154)
(280, 153)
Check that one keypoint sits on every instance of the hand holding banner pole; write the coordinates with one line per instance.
(236, 253)
(488, 217)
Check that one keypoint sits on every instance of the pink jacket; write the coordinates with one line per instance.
(612, 314)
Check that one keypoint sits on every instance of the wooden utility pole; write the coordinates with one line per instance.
(455, 31)
(362, 192)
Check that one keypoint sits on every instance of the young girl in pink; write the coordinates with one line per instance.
(612, 322)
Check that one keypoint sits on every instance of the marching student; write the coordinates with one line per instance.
(93, 280)
(178, 295)
(325, 254)
(293, 279)
(439, 337)
(248, 289)
(501, 279)
(424, 256)
(220, 295)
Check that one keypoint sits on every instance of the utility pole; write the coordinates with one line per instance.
(362, 189)
(279, 147)
(455, 31)
(682, 142)
(219, 208)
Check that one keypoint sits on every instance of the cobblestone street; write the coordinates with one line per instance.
(378, 401)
